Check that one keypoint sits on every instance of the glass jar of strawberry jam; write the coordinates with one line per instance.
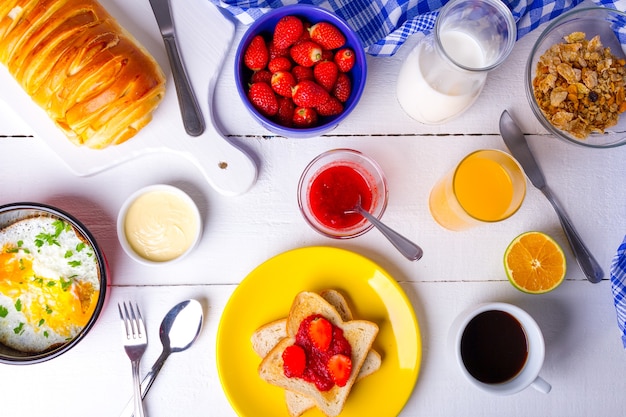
(332, 184)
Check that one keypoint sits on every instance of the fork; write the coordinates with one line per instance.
(135, 342)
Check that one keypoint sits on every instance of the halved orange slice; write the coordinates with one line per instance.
(534, 263)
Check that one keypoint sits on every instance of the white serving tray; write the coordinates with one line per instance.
(205, 37)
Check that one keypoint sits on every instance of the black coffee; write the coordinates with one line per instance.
(494, 347)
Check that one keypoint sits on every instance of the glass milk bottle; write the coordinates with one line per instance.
(445, 73)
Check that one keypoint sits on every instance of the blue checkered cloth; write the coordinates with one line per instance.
(384, 25)
(618, 286)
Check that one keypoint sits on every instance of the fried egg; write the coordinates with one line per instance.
(49, 284)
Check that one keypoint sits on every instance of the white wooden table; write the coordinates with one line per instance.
(585, 361)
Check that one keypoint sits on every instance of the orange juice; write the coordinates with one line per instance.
(486, 186)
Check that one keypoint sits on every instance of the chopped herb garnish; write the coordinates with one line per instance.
(19, 247)
(19, 329)
(38, 280)
(51, 283)
(18, 305)
(41, 322)
(3, 311)
(68, 254)
(48, 309)
(74, 263)
(45, 333)
(66, 283)
(43, 238)
(21, 264)
(80, 246)
(59, 227)
(51, 238)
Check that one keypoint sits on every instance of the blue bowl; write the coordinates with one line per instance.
(265, 26)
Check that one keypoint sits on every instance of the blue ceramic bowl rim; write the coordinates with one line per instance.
(20, 358)
(313, 14)
(535, 53)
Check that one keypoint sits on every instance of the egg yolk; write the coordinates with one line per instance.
(61, 303)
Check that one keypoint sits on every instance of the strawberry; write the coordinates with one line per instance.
(294, 361)
(308, 93)
(325, 73)
(327, 55)
(302, 73)
(263, 76)
(305, 33)
(282, 83)
(287, 31)
(306, 53)
(342, 88)
(344, 58)
(275, 52)
(331, 107)
(280, 63)
(263, 98)
(321, 333)
(304, 117)
(256, 55)
(286, 109)
(327, 35)
(339, 367)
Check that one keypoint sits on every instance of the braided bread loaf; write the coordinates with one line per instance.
(75, 61)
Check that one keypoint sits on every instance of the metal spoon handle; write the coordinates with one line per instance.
(189, 108)
(407, 248)
(146, 383)
(585, 259)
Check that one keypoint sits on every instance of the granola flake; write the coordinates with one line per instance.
(579, 85)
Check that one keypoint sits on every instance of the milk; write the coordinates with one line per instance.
(432, 89)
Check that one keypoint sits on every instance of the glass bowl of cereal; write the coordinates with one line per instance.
(576, 77)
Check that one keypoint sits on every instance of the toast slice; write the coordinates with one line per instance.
(298, 403)
(268, 336)
(359, 333)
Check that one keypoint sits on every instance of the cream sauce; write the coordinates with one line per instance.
(160, 226)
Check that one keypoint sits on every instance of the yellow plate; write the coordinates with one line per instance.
(266, 294)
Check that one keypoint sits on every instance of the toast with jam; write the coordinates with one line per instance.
(322, 355)
(268, 336)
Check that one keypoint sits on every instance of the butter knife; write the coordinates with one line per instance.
(516, 142)
(190, 111)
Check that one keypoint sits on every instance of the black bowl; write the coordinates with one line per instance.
(12, 213)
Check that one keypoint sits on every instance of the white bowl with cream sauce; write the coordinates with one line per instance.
(159, 224)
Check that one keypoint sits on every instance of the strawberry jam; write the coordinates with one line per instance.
(335, 190)
(316, 370)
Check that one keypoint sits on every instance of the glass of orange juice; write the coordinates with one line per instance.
(487, 186)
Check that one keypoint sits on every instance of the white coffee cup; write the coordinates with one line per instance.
(464, 351)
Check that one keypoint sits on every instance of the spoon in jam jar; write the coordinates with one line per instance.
(407, 248)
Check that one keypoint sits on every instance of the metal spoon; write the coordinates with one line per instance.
(407, 248)
(179, 329)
